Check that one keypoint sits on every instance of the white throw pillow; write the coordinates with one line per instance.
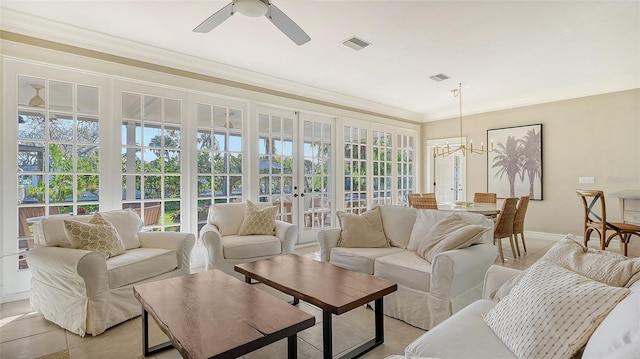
(397, 222)
(552, 311)
(258, 221)
(619, 329)
(362, 231)
(96, 235)
(425, 220)
(450, 233)
(604, 266)
(127, 223)
(227, 217)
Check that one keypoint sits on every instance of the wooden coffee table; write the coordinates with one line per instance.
(333, 289)
(214, 315)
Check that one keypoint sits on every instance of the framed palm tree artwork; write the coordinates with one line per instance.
(514, 167)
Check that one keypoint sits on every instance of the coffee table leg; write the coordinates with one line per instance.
(327, 333)
(379, 317)
(292, 347)
(146, 351)
(145, 332)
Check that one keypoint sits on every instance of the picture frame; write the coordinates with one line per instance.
(514, 165)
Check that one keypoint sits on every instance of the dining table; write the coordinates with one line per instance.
(487, 209)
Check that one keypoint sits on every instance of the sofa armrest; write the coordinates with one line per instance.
(180, 242)
(327, 239)
(495, 277)
(288, 234)
(211, 239)
(454, 272)
(74, 269)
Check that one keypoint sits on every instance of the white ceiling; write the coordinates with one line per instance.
(506, 53)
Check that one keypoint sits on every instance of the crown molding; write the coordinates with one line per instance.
(56, 32)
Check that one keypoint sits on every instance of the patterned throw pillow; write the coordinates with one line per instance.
(362, 231)
(450, 233)
(258, 221)
(605, 267)
(95, 235)
(552, 311)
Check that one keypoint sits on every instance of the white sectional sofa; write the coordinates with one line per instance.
(467, 335)
(428, 293)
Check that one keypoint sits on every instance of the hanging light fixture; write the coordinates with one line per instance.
(463, 147)
(37, 101)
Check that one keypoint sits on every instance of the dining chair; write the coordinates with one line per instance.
(504, 226)
(485, 197)
(595, 219)
(423, 200)
(518, 222)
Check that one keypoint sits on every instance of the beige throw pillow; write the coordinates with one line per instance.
(450, 233)
(362, 231)
(96, 235)
(605, 267)
(552, 312)
(258, 221)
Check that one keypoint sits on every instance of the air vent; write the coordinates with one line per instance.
(439, 77)
(356, 43)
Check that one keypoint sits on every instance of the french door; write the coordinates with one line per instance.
(295, 168)
(446, 175)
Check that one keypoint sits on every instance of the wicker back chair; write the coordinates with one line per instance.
(518, 223)
(423, 200)
(598, 222)
(485, 197)
(504, 225)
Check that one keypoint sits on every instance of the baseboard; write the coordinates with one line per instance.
(16, 296)
(548, 236)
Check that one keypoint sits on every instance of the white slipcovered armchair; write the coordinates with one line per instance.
(85, 293)
(226, 248)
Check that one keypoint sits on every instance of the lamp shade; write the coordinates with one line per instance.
(252, 8)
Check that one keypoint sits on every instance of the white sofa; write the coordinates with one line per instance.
(428, 293)
(466, 335)
(225, 248)
(85, 293)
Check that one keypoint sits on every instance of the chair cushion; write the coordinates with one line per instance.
(96, 235)
(242, 247)
(552, 310)
(362, 230)
(139, 264)
(405, 268)
(398, 222)
(127, 223)
(359, 259)
(227, 217)
(258, 220)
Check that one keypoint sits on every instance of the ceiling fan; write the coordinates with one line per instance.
(256, 8)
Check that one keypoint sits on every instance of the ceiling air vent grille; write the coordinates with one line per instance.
(439, 77)
(356, 43)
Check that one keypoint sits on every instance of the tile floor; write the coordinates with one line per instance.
(26, 334)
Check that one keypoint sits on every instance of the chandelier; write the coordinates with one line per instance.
(463, 147)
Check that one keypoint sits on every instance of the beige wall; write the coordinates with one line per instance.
(596, 136)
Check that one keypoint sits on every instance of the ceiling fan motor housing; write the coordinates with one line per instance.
(252, 8)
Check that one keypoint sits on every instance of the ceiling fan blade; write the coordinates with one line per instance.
(286, 25)
(215, 19)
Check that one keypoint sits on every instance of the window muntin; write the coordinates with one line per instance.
(382, 167)
(151, 159)
(405, 153)
(58, 153)
(219, 141)
(355, 169)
